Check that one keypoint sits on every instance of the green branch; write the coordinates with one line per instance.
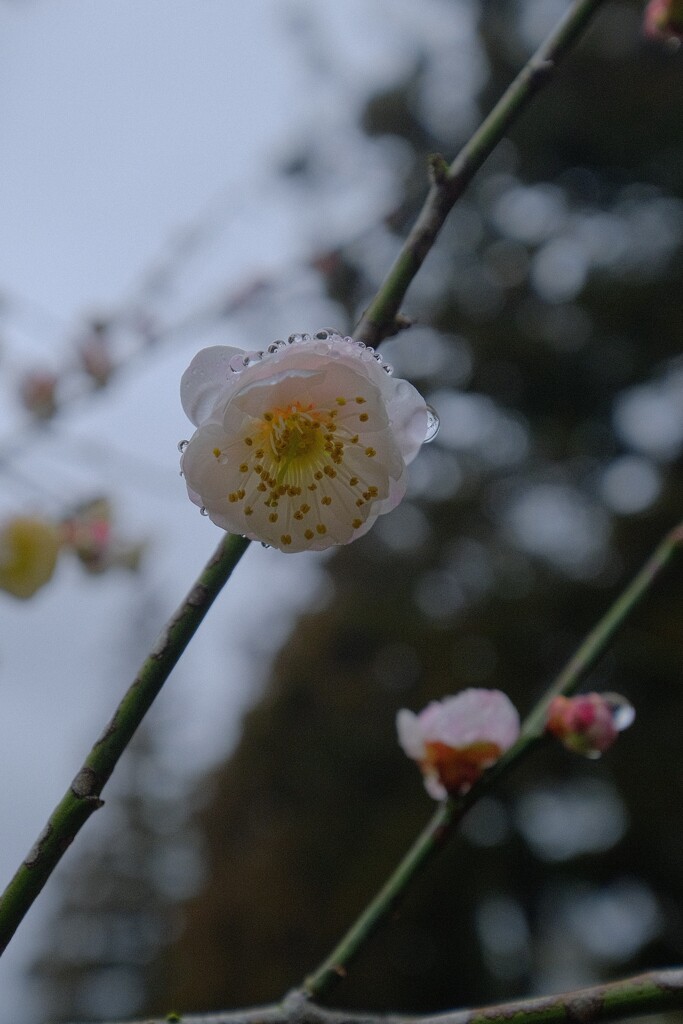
(83, 795)
(654, 992)
(450, 813)
(380, 319)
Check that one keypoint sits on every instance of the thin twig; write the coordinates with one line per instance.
(450, 813)
(448, 183)
(654, 992)
(83, 796)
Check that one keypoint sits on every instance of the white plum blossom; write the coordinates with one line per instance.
(455, 739)
(302, 446)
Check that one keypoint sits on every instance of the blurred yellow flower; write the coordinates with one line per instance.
(28, 554)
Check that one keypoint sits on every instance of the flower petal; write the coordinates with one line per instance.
(206, 378)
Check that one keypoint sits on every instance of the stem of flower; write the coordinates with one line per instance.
(450, 813)
(448, 183)
(83, 795)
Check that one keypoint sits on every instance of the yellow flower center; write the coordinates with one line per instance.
(304, 471)
(297, 436)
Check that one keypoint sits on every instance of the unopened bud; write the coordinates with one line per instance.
(589, 723)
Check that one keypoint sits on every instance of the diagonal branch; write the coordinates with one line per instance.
(83, 795)
(380, 319)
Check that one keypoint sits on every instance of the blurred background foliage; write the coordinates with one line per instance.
(548, 339)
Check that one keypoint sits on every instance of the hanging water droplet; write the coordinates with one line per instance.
(203, 511)
(623, 713)
(182, 445)
(433, 424)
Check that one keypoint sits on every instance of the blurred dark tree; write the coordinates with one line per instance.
(548, 339)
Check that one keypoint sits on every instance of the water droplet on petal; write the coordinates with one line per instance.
(623, 713)
(294, 339)
(433, 424)
(322, 335)
(264, 545)
(378, 357)
(237, 363)
(388, 368)
(182, 445)
(276, 346)
(203, 511)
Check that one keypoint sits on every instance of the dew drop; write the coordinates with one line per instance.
(294, 339)
(388, 368)
(623, 713)
(237, 363)
(433, 424)
(203, 511)
(182, 445)
(276, 346)
(322, 335)
(264, 545)
(378, 357)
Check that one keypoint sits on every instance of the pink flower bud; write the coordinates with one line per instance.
(96, 360)
(663, 20)
(456, 739)
(88, 532)
(38, 393)
(590, 723)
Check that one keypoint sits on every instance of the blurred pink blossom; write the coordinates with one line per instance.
(456, 739)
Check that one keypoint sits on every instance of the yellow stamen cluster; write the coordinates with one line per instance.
(295, 469)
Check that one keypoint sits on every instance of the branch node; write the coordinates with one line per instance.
(438, 169)
(400, 323)
(540, 71)
(84, 786)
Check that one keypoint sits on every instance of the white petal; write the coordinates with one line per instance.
(408, 415)
(206, 378)
(473, 716)
(410, 734)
